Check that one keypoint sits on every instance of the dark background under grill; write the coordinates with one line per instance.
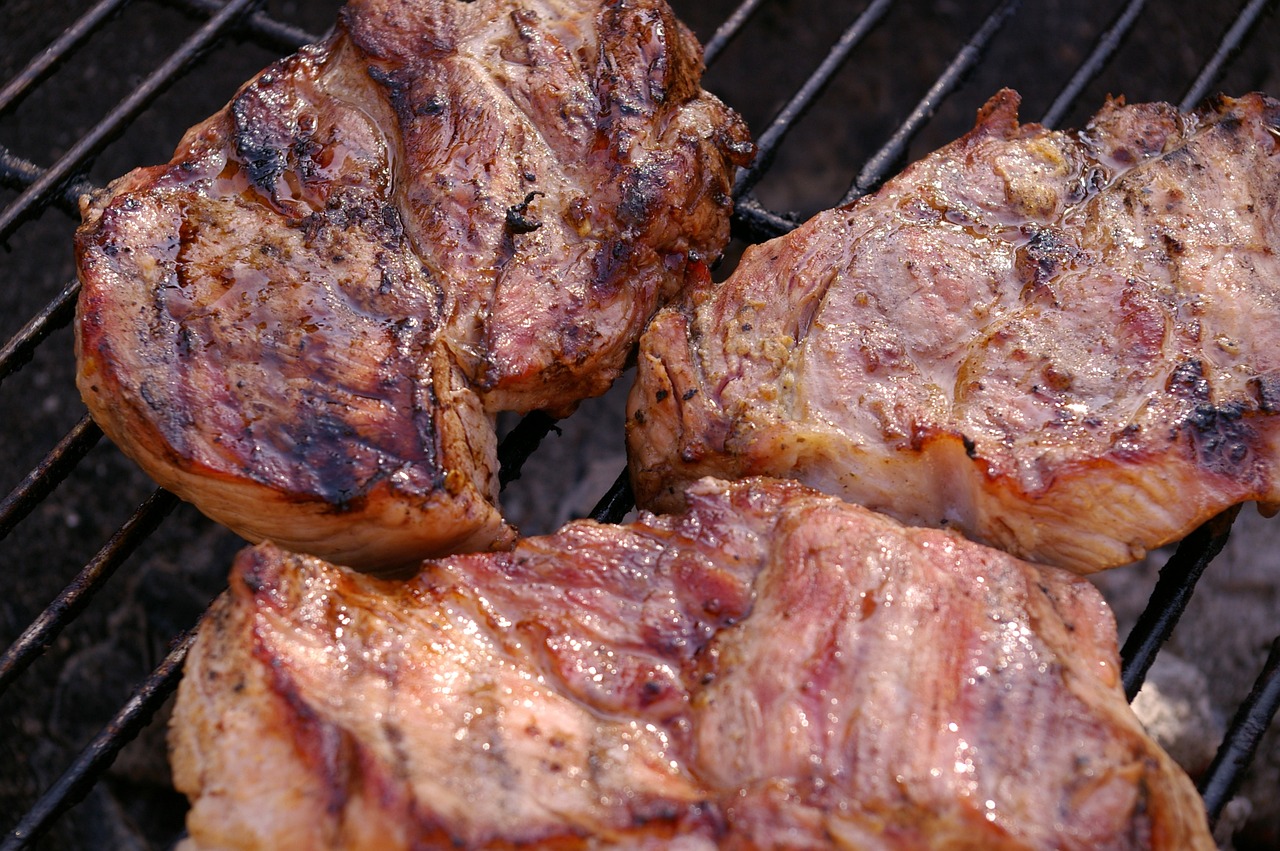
(53, 709)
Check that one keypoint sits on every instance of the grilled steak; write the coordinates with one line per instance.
(1063, 344)
(305, 322)
(772, 668)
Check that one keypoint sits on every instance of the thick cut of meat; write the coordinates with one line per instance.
(772, 668)
(1064, 344)
(305, 322)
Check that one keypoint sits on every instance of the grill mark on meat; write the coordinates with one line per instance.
(326, 747)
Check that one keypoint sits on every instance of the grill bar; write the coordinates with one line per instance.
(76, 782)
(101, 133)
(1252, 719)
(894, 151)
(1173, 591)
(77, 595)
(790, 114)
(1230, 44)
(1106, 46)
(51, 56)
(18, 173)
(616, 502)
(726, 31)
(21, 346)
(283, 37)
(41, 481)
(751, 220)
(520, 443)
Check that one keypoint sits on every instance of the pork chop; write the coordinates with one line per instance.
(306, 321)
(772, 668)
(1062, 343)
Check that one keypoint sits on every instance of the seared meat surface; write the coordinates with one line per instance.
(1063, 344)
(305, 322)
(772, 668)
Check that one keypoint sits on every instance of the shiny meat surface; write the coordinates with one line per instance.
(1063, 344)
(306, 321)
(772, 668)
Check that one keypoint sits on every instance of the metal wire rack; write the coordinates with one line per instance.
(738, 38)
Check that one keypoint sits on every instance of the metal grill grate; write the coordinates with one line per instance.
(733, 36)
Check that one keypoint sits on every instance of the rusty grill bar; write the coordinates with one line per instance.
(61, 183)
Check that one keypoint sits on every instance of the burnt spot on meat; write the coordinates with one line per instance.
(1230, 123)
(398, 92)
(609, 264)
(1184, 161)
(305, 152)
(1123, 156)
(641, 190)
(390, 279)
(340, 457)
(1187, 381)
(525, 52)
(1222, 438)
(254, 572)
(263, 159)
(433, 105)
(1056, 378)
(1265, 390)
(393, 225)
(154, 400)
(1092, 181)
(1045, 255)
(518, 221)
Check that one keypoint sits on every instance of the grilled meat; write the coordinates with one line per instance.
(1063, 344)
(305, 322)
(772, 668)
